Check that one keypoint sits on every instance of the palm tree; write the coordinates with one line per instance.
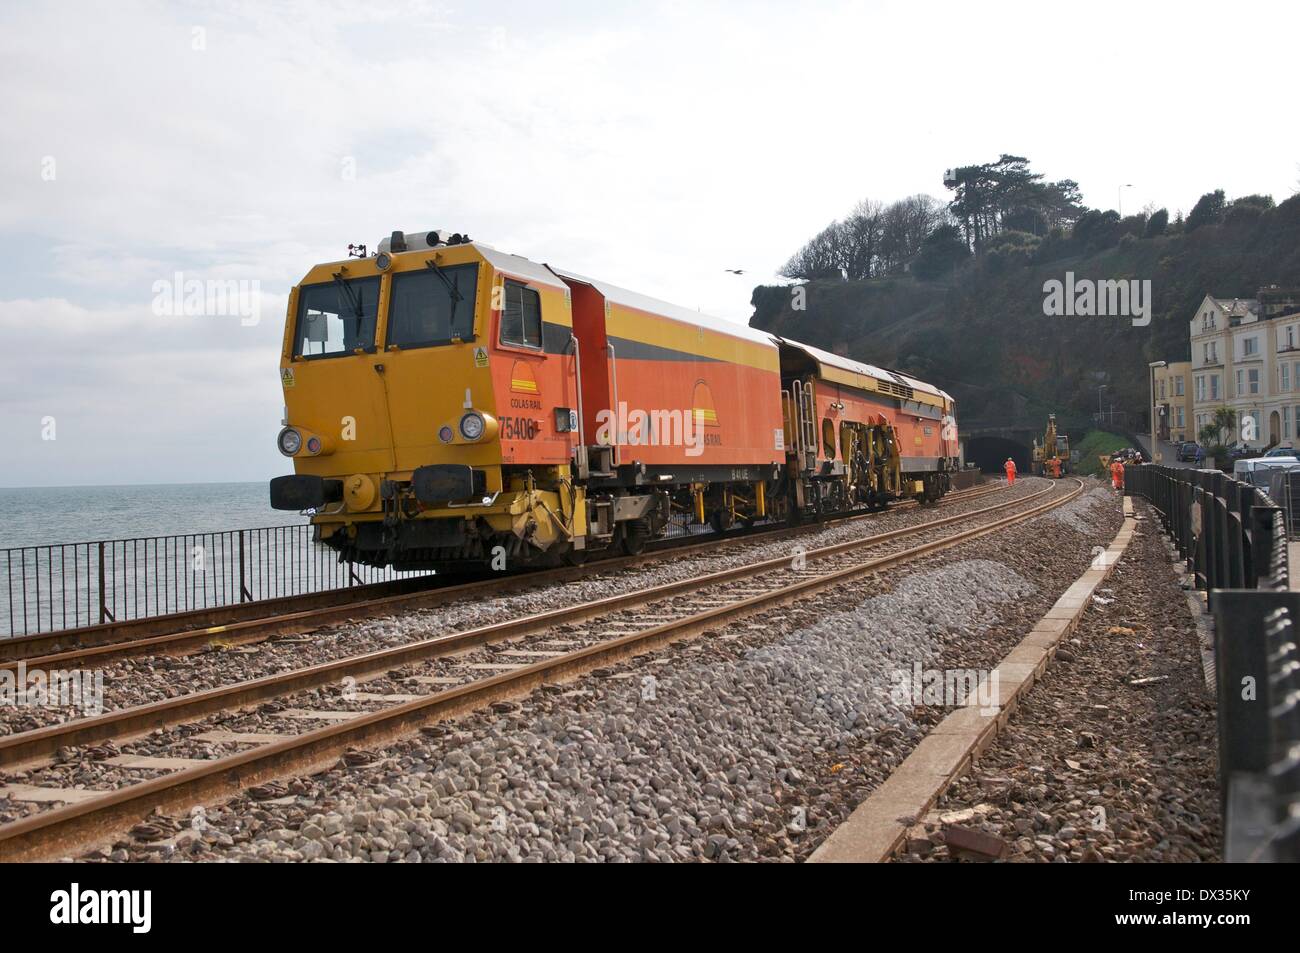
(1225, 419)
(1212, 434)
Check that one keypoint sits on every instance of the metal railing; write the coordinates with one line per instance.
(1234, 539)
(69, 585)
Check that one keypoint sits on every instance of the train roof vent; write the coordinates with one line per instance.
(895, 388)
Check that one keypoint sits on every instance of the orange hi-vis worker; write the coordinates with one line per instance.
(1010, 467)
(1117, 475)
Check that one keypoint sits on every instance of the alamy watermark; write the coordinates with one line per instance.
(654, 428)
(1084, 297)
(21, 687)
(133, 908)
(210, 298)
(945, 688)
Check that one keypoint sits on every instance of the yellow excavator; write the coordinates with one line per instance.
(1052, 456)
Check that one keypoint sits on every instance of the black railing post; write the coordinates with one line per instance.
(103, 606)
(244, 594)
(1188, 542)
(1241, 666)
(1220, 533)
(1267, 552)
(1210, 527)
(1236, 537)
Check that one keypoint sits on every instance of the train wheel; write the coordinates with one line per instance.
(634, 536)
(575, 557)
(721, 521)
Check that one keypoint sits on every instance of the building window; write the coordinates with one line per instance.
(1200, 388)
(1284, 377)
(1181, 421)
(1252, 380)
(1162, 389)
(1286, 420)
(1178, 386)
(1250, 346)
(1214, 387)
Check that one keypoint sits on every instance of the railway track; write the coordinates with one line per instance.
(422, 683)
(293, 615)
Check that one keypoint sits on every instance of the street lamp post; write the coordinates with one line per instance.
(1119, 197)
(1101, 411)
(1155, 455)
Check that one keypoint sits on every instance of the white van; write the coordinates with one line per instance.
(1256, 470)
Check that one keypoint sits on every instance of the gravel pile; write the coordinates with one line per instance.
(1081, 514)
(1113, 755)
(749, 744)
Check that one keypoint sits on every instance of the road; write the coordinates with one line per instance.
(1168, 453)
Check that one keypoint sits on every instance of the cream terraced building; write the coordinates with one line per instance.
(1171, 388)
(1246, 356)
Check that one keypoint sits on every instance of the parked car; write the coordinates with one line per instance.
(1187, 450)
(1281, 452)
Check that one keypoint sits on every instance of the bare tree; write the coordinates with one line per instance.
(862, 231)
(872, 240)
(907, 224)
(821, 257)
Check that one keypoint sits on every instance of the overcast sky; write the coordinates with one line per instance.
(653, 145)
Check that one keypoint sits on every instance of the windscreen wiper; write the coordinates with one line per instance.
(452, 290)
(358, 312)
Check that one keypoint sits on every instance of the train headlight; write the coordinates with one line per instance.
(383, 260)
(471, 426)
(289, 441)
(446, 434)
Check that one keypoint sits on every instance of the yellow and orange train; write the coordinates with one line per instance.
(453, 407)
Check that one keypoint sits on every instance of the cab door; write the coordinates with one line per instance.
(327, 373)
(435, 363)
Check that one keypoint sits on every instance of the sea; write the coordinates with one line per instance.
(48, 515)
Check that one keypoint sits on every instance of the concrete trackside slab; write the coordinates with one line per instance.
(37, 795)
(878, 826)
